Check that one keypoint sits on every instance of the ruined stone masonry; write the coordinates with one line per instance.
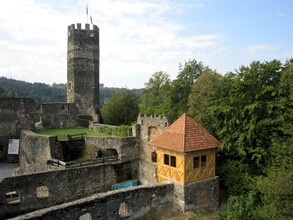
(16, 114)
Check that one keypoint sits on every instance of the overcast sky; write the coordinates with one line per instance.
(138, 38)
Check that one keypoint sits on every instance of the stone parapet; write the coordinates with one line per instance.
(130, 203)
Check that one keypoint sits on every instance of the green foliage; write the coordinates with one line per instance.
(40, 92)
(240, 207)
(121, 108)
(181, 88)
(108, 92)
(245, 109)
(276, 191)
(237, 176)
(155, 94)
(254, 111)
(199, 100)
(121, 130)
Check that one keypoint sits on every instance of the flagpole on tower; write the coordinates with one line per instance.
(87, 14)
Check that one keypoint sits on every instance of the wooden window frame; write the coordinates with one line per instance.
(196, 162)
(203, 161)
(200, 162)
(170, 160)
(166, 159)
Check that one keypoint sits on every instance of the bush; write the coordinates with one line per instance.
(240, 207)
(121, 130)
(236, 177)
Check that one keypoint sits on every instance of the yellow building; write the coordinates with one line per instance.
(186, 152)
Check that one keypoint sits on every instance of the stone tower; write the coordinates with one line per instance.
(83, 57)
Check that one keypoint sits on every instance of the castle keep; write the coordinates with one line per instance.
(74, 178)
(83, 57)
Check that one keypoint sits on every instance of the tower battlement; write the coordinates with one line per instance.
(78, 26)
(153, 120)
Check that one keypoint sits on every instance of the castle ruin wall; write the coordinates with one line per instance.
(58, 115)
(35, 150)
(129, 203)
(127, 148)
(40, 190)
(16, 114)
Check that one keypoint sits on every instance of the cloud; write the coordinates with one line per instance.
(260, 49)
(137, 38)
(281, 14)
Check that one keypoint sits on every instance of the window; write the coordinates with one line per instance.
(173, 161)
(152, 132)
(69, 86)
(123, 210)
(42, 192)
(203, 161)
(169, 160)
(166, 159)
(199, 160)
(195, 162)
(154, 156)
(86, 216)
(12, 197)
(166, 124)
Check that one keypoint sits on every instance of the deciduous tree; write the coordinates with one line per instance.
(199, 99)
(155, 94)
(181, 87)
(121, 108)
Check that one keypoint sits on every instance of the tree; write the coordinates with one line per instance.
(121, 108)
(240, 207)
(199, 99)
(181, 88)
(155, 94)
(254, 109)
(245, 111)
(276, 186)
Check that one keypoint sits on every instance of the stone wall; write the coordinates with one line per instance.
(16, 114)
(148, 127)
(127, 148)
(58, 115)
(197, 196)
(41, 190)
(130, 203)
(35, 150)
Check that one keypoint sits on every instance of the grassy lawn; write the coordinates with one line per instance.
(62, 133)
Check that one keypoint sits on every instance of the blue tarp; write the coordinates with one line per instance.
(126, 184)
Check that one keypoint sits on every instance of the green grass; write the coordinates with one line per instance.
(62, 133)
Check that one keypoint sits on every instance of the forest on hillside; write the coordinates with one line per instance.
(42, 92)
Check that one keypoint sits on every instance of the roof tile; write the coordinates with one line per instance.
(185, 135)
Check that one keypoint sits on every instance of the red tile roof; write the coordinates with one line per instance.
(185, 135)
